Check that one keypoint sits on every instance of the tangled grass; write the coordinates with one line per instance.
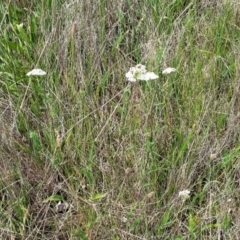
(85, 154)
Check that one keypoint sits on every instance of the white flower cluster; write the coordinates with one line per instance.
(184, 194)
(139, 72)
(169, 70)
(36, 72)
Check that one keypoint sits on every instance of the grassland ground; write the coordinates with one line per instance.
(86, 154)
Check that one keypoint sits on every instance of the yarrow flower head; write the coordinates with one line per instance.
(139, 72)
(169, 70)
(36, 72)
(184, 194)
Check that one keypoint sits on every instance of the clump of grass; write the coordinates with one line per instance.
(85, 154)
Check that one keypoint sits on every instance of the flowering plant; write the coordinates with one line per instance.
(36, 72)
(139, 72)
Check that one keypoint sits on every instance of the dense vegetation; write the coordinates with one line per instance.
(85, 154)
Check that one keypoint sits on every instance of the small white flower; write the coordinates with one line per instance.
(148, 76)
(36, 72)
(130, 76)
(141, 68)
(169, 70)
(184, 194)
(139, 72)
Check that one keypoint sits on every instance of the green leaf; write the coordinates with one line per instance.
(53, 198)
(98, 196)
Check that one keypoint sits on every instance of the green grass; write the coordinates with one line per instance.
(84, 154)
